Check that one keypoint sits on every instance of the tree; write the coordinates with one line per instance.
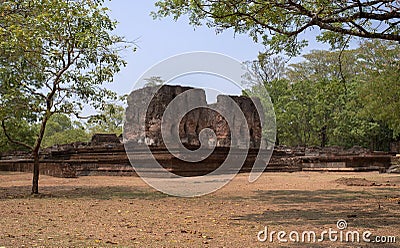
(326, 65)
(325, 100)
(265, 80)
(110, 120)
(328, 73)
(61, 129)
(279, 23)
(379, 80)
(305, 95)
(55, 56)
(153, 81)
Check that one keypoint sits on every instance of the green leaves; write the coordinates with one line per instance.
(380, 83)
(61, 130)
(110, 120)
(21, 130)
(278, 24)
(55, 57)
(344, 98)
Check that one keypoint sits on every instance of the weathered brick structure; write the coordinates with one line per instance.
(143, 122)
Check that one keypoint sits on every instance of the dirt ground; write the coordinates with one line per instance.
(99, 211)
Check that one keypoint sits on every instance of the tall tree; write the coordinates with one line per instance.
(61, 129)
(328, 73)
(265, 80)
(279, 23)
(325, 100)
(110, 120)
(55, 56)
(153, 81)
(379, 82)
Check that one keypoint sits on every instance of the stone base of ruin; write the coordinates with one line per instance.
(111, 159)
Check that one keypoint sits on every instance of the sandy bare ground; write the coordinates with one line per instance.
(124, 212)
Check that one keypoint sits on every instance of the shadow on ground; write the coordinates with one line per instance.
(367, 209)
(98, 193)
(321, 196)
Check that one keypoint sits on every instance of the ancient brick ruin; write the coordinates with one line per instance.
(194, 121)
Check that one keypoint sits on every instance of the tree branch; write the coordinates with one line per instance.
(325, 18)
(12, 140)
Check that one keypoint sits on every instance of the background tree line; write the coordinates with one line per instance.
(344, 98)
(62, 129)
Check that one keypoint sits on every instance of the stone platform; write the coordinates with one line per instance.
(111, 159)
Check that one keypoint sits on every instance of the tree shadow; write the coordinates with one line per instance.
(317, 217)
(366, 209)
(95, 192)
(320, 196)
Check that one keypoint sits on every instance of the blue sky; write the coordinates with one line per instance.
(160, 39)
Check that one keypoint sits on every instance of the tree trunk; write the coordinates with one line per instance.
(35, 152)
(35, 180)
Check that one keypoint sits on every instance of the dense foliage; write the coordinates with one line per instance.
(344, 98)
(278, 24)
